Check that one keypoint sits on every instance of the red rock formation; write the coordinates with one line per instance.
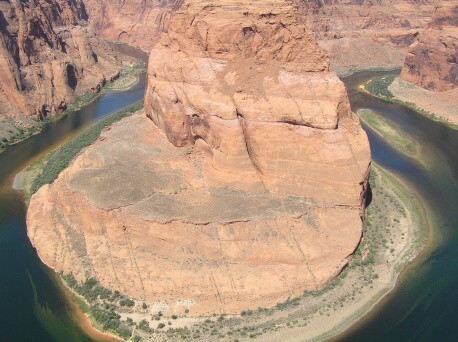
(432, 59)
(47, 56)
(250, 74)
(247, 189)
(356, 34)
(135, 22)
(366, 33)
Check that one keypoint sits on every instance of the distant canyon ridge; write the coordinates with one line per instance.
(53, 51)
(244, 180)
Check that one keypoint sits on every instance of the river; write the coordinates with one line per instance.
(21, 317)
(423, 307)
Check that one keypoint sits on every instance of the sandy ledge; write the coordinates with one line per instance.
(443, 105)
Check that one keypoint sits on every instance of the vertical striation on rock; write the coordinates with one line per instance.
(245, 188)
(47, 56)
(431, 62)
(135, 22)
(249, 82)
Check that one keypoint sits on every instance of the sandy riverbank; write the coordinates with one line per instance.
(394, 234)
(443, 104)
(82, 319)
(440, 107)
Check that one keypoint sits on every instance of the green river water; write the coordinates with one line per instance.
(423, 307)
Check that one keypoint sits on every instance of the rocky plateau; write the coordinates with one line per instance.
(242, 184)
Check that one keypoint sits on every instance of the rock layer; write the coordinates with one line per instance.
(136, 22)
(356, 34)
(248, 188)
(431, 62)
(232, 77)
(47, 56)
(365, 33)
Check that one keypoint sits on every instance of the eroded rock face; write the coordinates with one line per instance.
(234, 77)
(432, 59)
(247, 186)
(366, 33)
(356, 34)
(47, 56)
(136, 22)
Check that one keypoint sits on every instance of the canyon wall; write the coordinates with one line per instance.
(47, 56)
(245, 186)
(356, 34)
(223, 75)
(136, 22)
(366, 33)
(431, 62)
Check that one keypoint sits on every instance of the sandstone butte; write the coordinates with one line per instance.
(431, 61)
(246, 185)
(48, 55)
(355, 33)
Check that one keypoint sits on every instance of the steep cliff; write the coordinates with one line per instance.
(248, 188)
(135, 22)
(248, 75)
(47, 56)
(431, 62)
(355, 33)
(366, 33)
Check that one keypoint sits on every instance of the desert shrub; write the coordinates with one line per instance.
(126, 302)
(124, 332)
(144, 325)
(379, 86)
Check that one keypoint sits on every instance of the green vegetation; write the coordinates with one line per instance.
(13, 133)
(128, 76)
(124, 75)
(388, 131)
(378, 86)
(345, 72)
(101, 304)
(144, 325)
(55, 162)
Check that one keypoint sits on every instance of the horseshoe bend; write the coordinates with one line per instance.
(241, 184)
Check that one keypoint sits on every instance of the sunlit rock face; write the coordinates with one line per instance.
(431, 60)
(48, 56)
(360, 34)
(250, 83)
(244, 186)
(136, 22)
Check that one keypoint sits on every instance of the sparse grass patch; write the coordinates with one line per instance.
(61, 158)
(388, 131)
